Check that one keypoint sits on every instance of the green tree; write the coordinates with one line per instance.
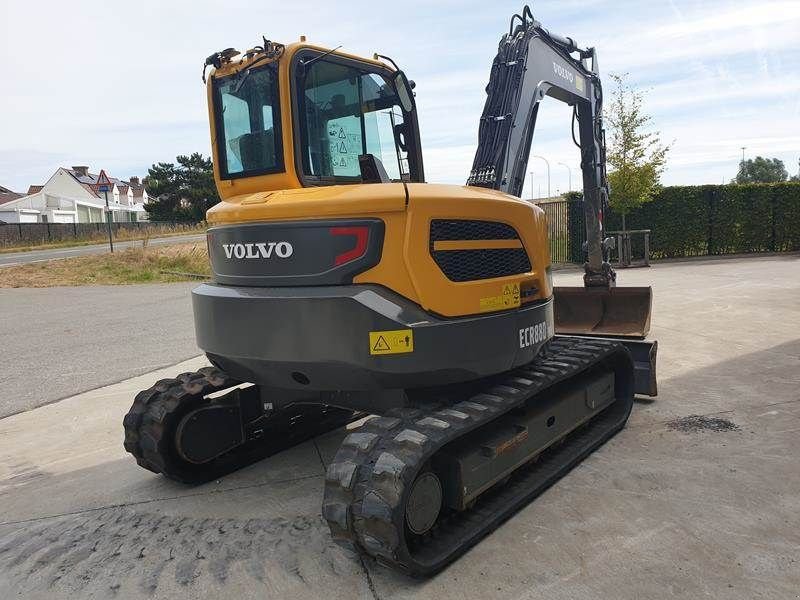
(163, 190)
(182, 192)
(636, 157)
(761, 170)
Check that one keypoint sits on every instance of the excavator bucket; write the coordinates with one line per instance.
(609, 312)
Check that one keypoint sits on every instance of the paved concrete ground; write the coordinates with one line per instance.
(56, 342)
(670, 508)
(19, 258)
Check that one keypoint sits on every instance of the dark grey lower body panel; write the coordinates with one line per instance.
(317, 338)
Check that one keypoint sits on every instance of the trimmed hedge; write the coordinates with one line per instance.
(717, 219)
(786, 217)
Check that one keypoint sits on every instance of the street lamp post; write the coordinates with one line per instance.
(531, 173)
(741, 165)
(570, 174)
(547, 162)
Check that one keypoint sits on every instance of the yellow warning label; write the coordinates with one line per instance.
(391, 342)
(491, 303)
(508, 299)
(579, 84)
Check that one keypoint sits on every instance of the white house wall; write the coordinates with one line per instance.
(18, 216)
(62, 216)
(26, 201)
(9, 216)
(63, 195)
(63, 184)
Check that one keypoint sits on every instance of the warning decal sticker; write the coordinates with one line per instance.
(345, 145)
(391, 342)
(509, 299)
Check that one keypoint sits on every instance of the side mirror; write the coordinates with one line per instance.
(404, 93)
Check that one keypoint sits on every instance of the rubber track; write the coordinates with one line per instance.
(368, 481)
(151, 423)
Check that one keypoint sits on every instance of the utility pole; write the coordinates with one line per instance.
(570, 174)
(743, 149)
(103, 183)
(547, 162)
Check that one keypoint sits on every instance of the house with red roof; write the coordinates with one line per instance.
(75, 195)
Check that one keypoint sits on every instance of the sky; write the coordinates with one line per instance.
(116, 84)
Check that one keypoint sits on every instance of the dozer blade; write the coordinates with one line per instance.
(614, 312)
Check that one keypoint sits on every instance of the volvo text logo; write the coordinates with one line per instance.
(563, 72)
(258, 250)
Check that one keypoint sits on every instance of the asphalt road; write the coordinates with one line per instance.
(20, 258)
(55, 342)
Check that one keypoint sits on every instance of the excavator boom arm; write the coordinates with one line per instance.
(532, 63)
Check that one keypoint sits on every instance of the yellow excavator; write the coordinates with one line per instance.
(345, 287)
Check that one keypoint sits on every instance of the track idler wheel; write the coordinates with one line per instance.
(152, 424)
(176, 429)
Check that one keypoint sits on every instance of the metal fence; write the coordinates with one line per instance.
(566, 230)
(32, 234)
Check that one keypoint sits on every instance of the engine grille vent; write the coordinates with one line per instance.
(442, 230)
(470, 264)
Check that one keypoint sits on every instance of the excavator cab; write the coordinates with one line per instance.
(285, 117)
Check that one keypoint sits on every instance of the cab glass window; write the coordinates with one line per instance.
(248, 123)
(347, 112)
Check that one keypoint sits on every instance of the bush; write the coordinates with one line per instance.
(720, 219)
(786, 221)
(741, 219)
(678, 217)
(717, 219)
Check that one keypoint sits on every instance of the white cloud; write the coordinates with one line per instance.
(713, 21)
(117, 85)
